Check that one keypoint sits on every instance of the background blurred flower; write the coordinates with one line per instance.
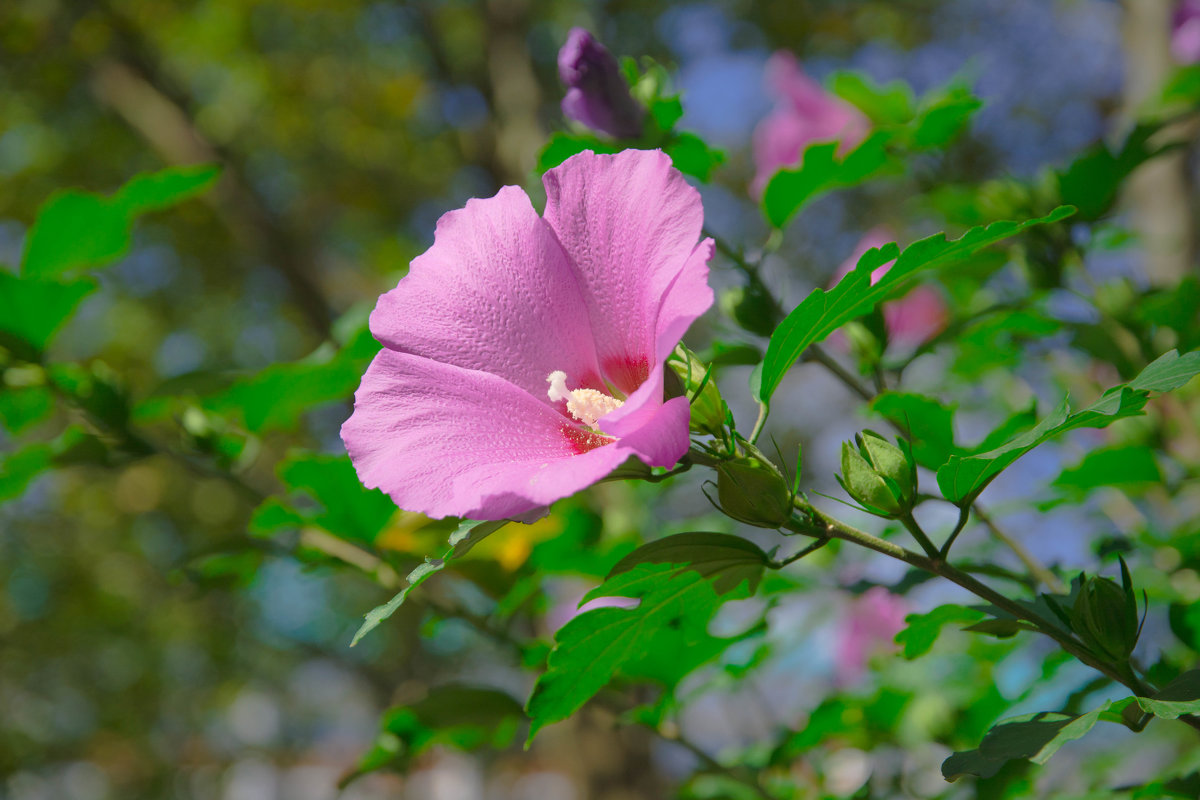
(872, 622)
(597, 94)
(804, 113)
(1185, 32)
(912, 319)
(467, 411)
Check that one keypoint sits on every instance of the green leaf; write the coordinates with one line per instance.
(928, 424)
(1180, 696)
(823, 312)
(466, 536)
(822, 170)
(79, 230)
(19, 468)
(663, 638)
(453, 715)
(891, 104)
(1000, 628)
(348, 509)
(380, 613)
(1093, 181)
(276, 398)
(725, 559)
(898, 132)
(691, 155)
(1035, 737)
(962, 478)
(1113, 466)
(32, 311)
(561, 146)
(923, 629)
(23, 407)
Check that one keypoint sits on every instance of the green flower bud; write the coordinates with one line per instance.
(1105, 617)
(878, 475)
(687, 374)
(753, 492)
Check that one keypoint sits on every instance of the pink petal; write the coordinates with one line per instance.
(495, 293)
(629, 223)
(448, 441)
(688, 296)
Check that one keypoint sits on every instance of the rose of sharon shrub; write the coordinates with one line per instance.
(523, 355)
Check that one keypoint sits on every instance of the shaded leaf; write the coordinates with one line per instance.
(1035, 737)
(1180, 696)
(922, 630)
(453, 715)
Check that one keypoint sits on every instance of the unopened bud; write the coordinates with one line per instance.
(597, 94)
(1105, 617)
(686, 375)
(754, 493)
(878, 475)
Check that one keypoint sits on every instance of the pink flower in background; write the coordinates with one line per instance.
(912, 319)
(871, 625)
(1185, 32)
(804, 113)
(523, 354)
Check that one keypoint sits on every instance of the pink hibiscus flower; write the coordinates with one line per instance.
(804, 113)
(523, 354)
(871, 625)
(912, 319)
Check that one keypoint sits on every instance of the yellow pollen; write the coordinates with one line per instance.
(585, 405)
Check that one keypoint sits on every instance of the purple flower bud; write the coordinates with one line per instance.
(597, 94)
(1185, 32)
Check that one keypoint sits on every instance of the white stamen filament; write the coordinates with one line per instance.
(585, 405)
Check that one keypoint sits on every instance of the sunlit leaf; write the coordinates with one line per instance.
(32, 311)
(79, 230)
(824, 311)
(923, 630)
(961, 479)
(676, 601)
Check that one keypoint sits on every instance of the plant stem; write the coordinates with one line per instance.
(1038, 570)
(834, 528)
(711, 764)
(1035, 567)
(909, 522)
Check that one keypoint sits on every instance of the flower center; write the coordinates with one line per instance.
(585, 405)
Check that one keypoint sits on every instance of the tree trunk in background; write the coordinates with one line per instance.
(1157, 196)
(516, 96)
